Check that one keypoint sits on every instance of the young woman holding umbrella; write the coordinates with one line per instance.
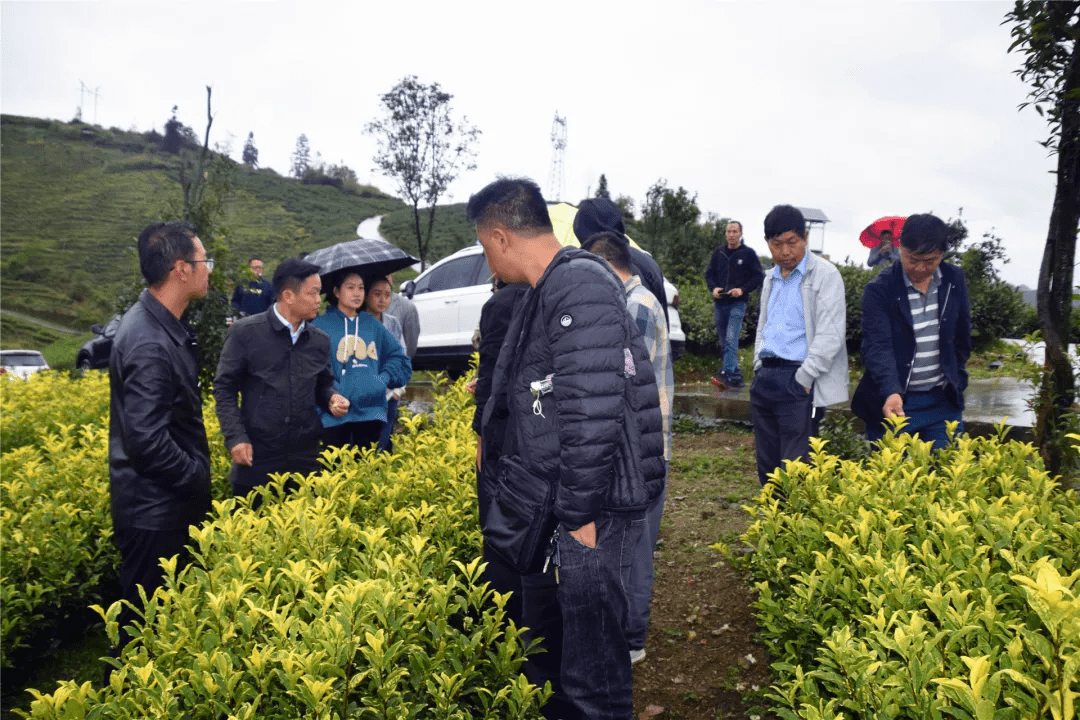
(366, 361)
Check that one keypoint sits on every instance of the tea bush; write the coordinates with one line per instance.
(356, 596)
(55, 525)
(39, 405)
(920, 585)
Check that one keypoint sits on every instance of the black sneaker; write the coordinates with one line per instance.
(734, 380)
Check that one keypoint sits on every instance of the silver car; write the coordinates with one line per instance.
(21, 363)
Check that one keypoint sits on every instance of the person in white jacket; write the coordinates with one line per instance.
(800, 352)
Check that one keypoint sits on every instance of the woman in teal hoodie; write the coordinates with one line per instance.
(366, 361)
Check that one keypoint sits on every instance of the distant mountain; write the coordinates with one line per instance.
(74, 198)
(1030, 296)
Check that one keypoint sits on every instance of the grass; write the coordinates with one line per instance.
(451, 233)
(61, 353)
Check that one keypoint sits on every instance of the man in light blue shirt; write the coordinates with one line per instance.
(800, 353)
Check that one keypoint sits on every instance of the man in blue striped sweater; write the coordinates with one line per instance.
(916, 342)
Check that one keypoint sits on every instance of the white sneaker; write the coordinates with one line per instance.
(637, 656)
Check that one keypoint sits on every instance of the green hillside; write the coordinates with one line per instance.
(74, 198)
(451, 233)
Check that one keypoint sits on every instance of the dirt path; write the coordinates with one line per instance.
(38, 321)
(702, 660)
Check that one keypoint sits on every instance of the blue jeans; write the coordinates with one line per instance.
(386, 443)
(728, 318)
(582, 620)
(639, 585)
(927, 413)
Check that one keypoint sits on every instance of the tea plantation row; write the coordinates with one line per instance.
(919, 585)
(357, 596)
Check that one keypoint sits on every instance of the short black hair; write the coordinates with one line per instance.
(734, 222)
(514, 203)
(783, 218)
(611, 246)
(291, 274)
(254, 258)
(924, 234)
(161, 245)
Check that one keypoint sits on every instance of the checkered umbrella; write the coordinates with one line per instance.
(363, 256)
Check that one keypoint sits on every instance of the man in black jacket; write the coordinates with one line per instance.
(733, 273)
(598, 215)
(576, 387)
(280, 365)
(257, 295)
(916, 342)
(494, 322)
(159, 459)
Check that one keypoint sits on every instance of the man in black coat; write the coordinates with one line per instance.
(734, 272)
(495, 320)
(257, 295)
(159, 459)
(576, 387)
(598, 215)
(279, 364)
(916, 342)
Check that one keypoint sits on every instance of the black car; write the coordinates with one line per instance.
(94, 354)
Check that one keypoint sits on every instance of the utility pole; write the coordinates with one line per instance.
(83, 91)
(558, 143)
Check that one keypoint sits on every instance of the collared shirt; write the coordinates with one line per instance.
(292, 334)
(785, 328)
(926, 366)
(648, 314)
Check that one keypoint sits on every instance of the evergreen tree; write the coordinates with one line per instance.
(601, 190)
(301, 158)
(251, 153)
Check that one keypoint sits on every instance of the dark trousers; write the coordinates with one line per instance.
(639, 585)
(927, 412)
(360, 434)
(140, 554)
(783, 415)
(244, 479)
(499, 574)
(386, 441)
(582, 621)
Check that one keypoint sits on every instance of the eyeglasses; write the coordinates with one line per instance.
(209, 263)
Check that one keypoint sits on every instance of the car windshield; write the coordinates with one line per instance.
(23, 359)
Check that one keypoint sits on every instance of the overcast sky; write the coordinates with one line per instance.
(861, 109)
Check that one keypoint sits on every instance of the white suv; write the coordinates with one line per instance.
(449, 296)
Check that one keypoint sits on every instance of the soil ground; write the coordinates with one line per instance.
(701, 657)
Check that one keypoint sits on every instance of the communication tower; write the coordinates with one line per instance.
(558, 144)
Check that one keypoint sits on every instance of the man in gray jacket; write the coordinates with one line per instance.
(800, 353)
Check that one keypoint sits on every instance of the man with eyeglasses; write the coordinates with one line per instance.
(159, 459)
(916, 342)
(800, 352)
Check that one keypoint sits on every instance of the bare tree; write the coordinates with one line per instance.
(422, 146)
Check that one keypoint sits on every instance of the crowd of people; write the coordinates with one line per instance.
(574, 398)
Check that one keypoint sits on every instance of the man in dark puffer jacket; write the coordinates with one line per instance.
(592, 429)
